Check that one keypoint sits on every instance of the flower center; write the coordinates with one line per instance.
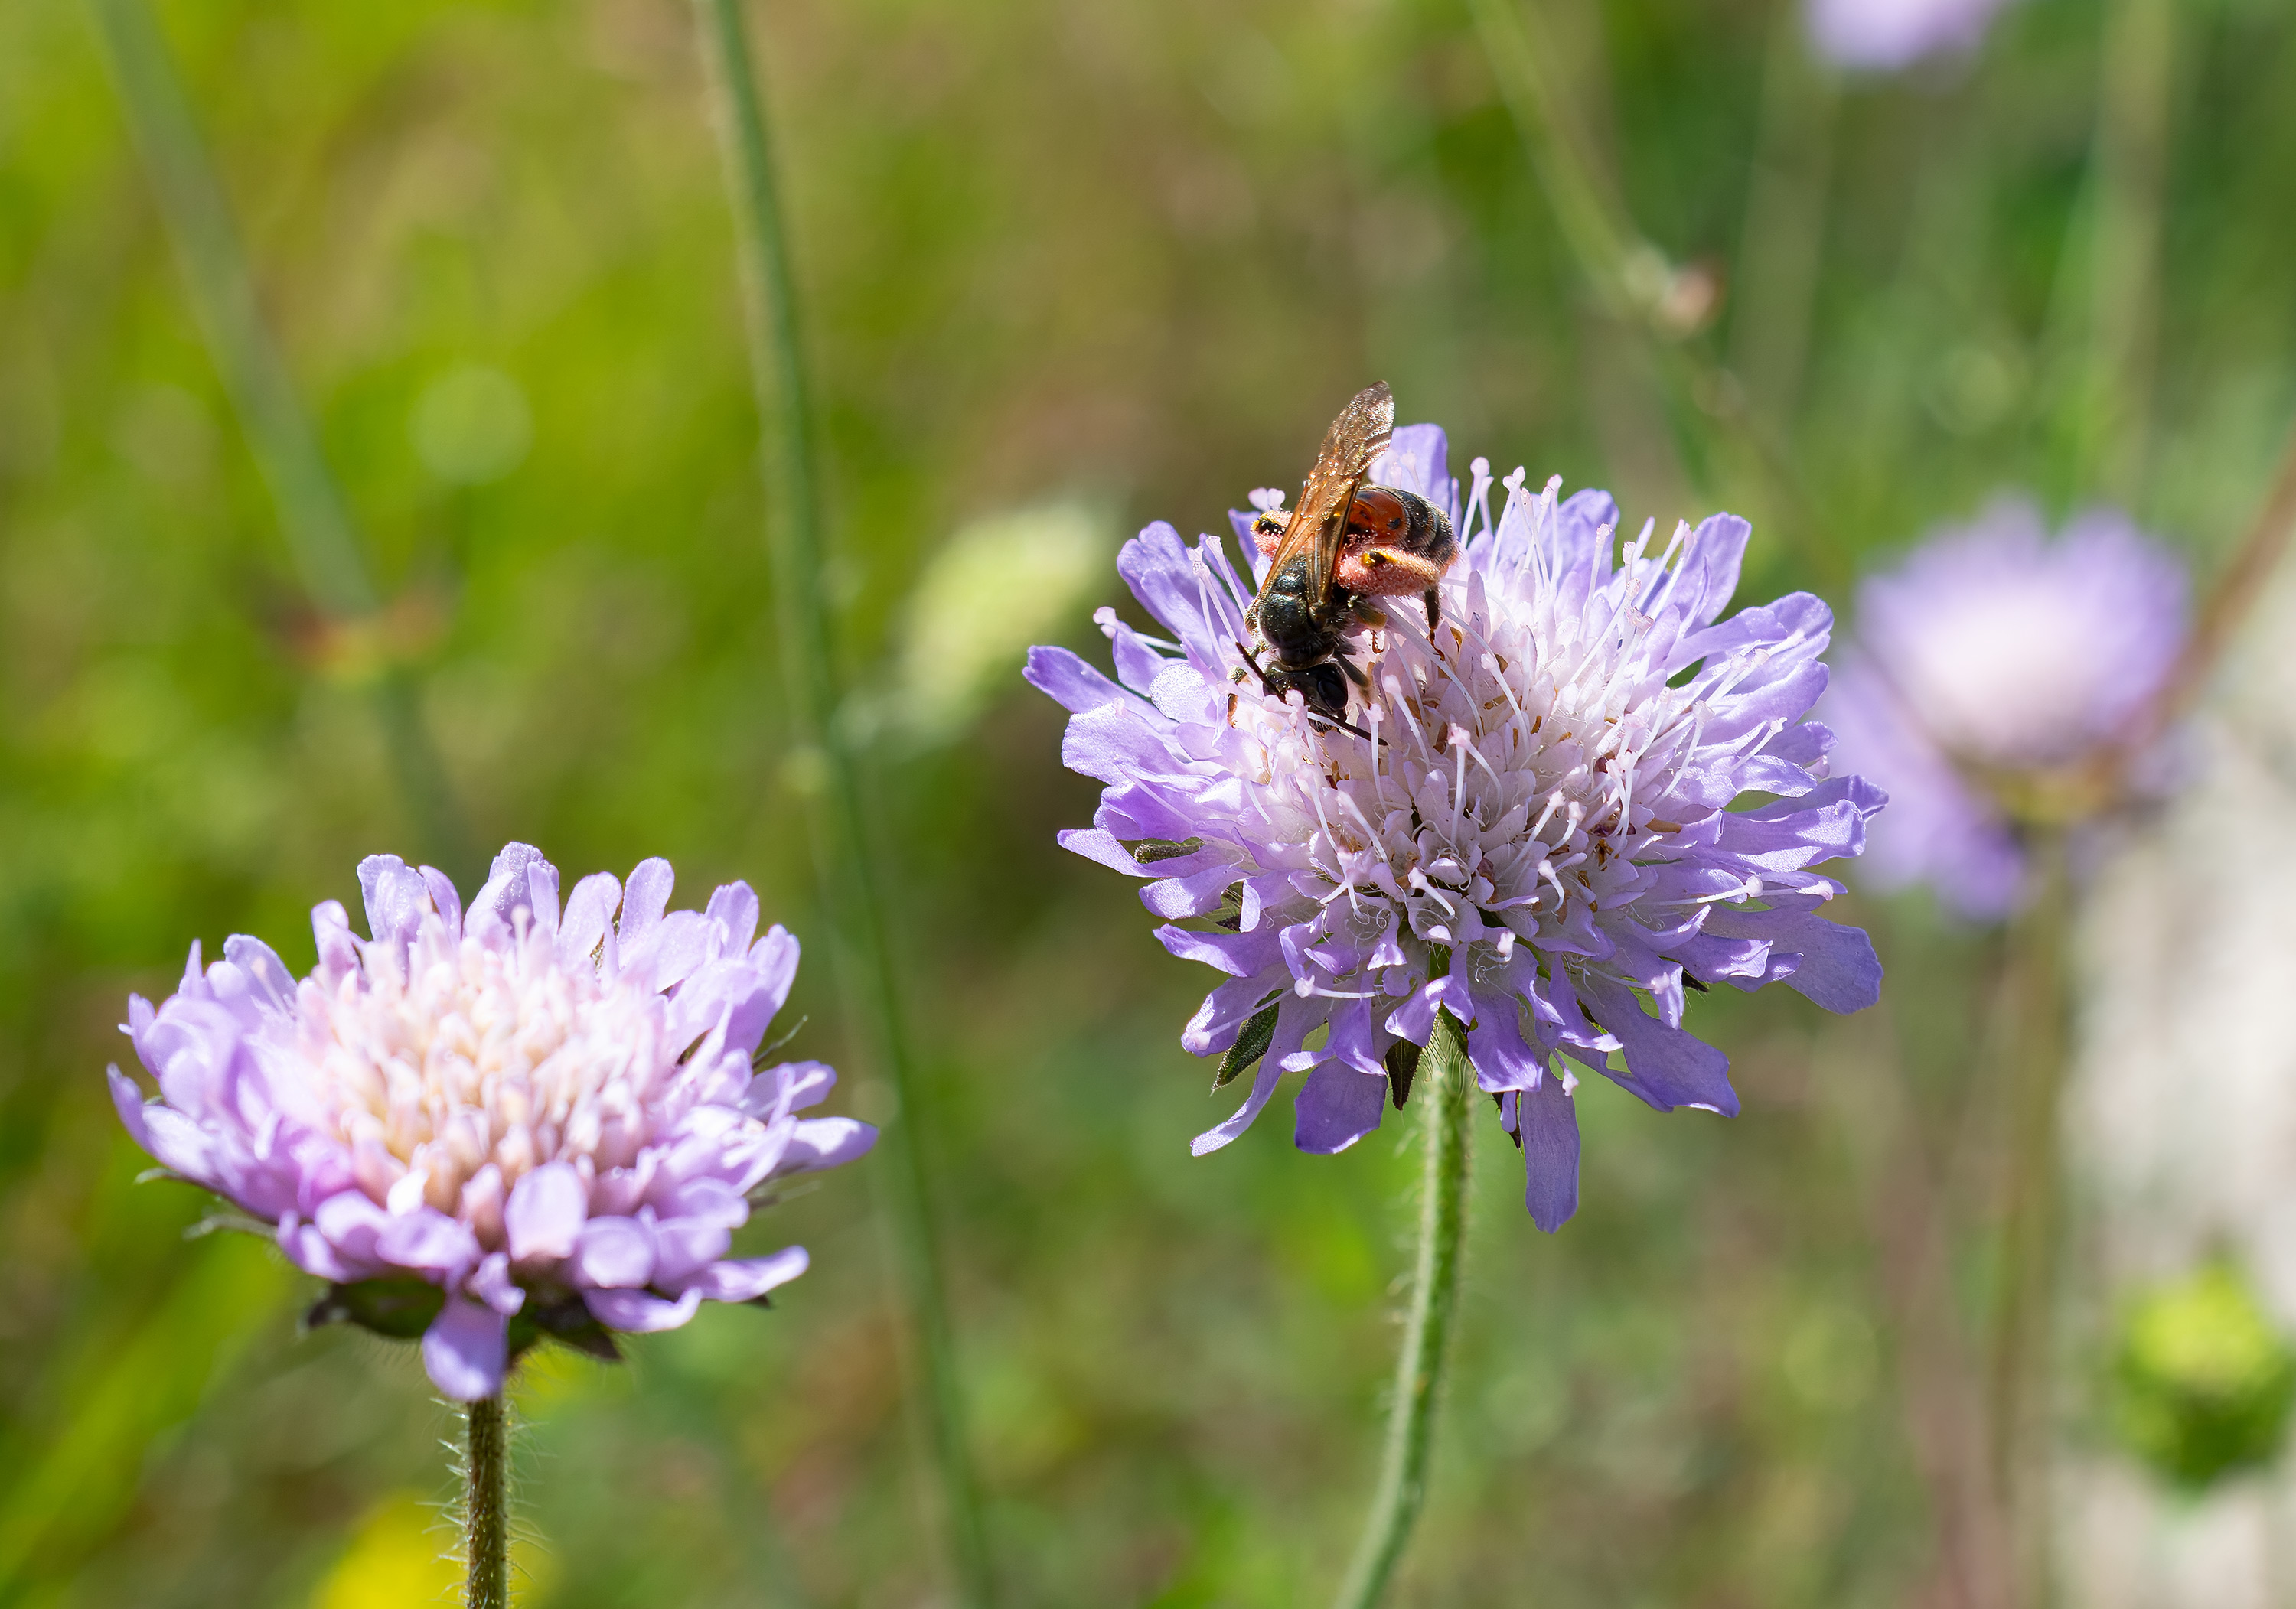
(469, 1055)
(1518, 760)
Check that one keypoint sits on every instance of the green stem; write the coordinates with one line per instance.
(2131, 175)
(2020, 1372)
(843, 830)
(1593, 223)
(1446, 1085)
(1781, 245)
(2102, 305)
(486, 1506)
(1634, 282)
(322, 541)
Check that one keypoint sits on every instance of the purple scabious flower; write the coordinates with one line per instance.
(1542, 838)
(1885, 35)
(490, 1126)
(1989, 668)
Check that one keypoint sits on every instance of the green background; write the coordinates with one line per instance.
(1130, 255)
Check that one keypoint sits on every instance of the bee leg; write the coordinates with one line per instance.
(1349, 727)
(1354, 673)
(1366, 612)
(1434, 610)
(1252, 659)
(1387, 571)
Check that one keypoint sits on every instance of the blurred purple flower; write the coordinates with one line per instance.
(1542, 808)
(1994, 653)
(551, 1117)
(1886, 34)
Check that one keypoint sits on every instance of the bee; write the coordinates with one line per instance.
(1343, 545)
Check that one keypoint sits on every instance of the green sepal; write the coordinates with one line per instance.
(1149, 851)
(1402, 1066)
(237, 1223)
(1249, 1046)
(568, 1321)
(398, 1309)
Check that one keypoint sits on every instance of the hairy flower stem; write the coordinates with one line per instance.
(322, 539)
(486, 1506)
(2021, 1374)
(831, 772)
(1446, 1085)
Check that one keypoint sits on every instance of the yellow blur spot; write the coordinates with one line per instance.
(405, 1555)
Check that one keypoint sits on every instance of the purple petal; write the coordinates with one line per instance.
(682, 1245)
(1335, 1107)
(747, 1278)
(542, 897)
(589, 910)
(507, 888)
(1071, 681)
(1549, 1123)
(671, 950)
(270, 982)
(643, 900)
(1104, 847)
(354, 1226)
(1665, 1067)
(544, 1216)
(733, 911)
(613, 1253)
(396, 898)
(1495, 1045)
(309, 1250)
(826, 1142)
(331, 932)
(443, 897)
(426, 1239)
(463, 1351)
(1298, 1016)
(776, 957)
(490, 1283)
(638, 1312)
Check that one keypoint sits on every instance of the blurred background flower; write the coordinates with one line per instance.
(1886, 34)
(1995, 671)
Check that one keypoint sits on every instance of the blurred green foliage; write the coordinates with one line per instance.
(2203, 1382)
(1124, 257)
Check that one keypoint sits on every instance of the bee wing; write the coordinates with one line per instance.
(1320, 518)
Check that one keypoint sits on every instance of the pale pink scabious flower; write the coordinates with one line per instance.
(497, 1124)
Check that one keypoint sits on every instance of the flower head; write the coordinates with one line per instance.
(495, 1124)
(1886, 34)
(1536, 831)
(1990, 668)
